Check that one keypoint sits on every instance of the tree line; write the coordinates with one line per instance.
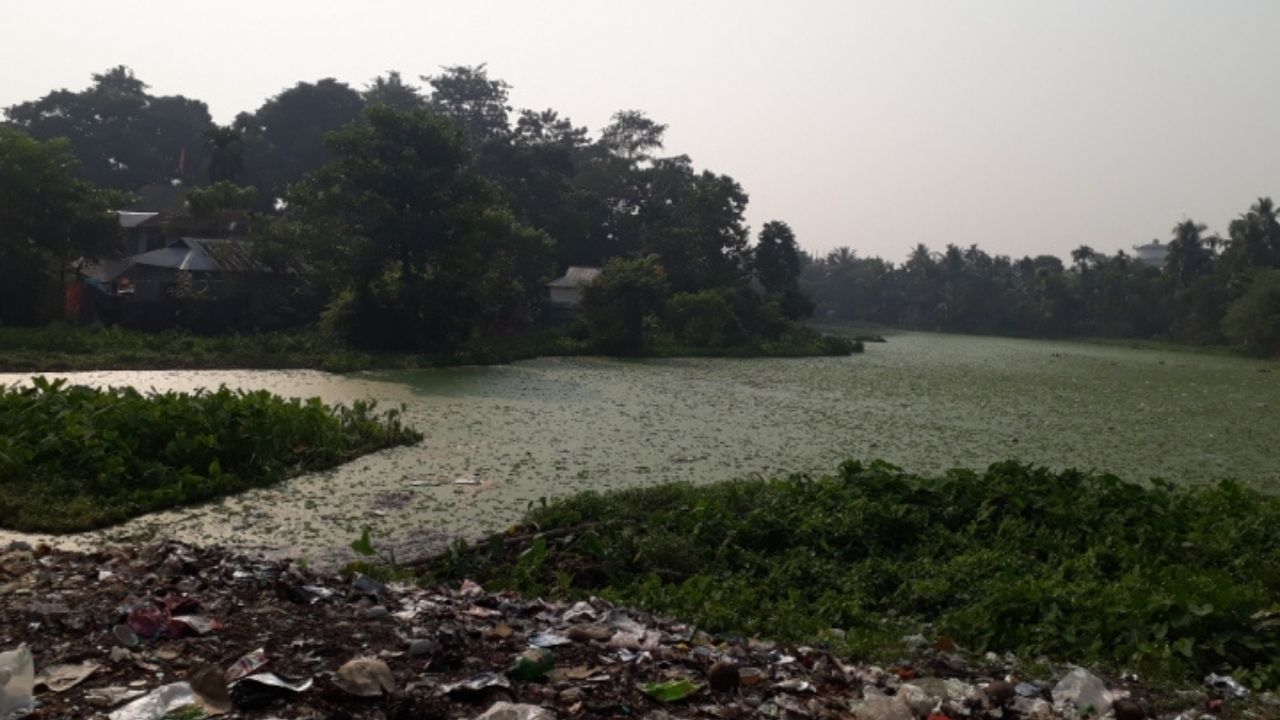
(428, 214)
(1209, 289)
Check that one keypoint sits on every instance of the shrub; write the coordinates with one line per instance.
(617, 304)
(1169, 581)
(74, 458)
(703, 319)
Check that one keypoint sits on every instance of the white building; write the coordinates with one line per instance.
(1153, 253)
(566, 291)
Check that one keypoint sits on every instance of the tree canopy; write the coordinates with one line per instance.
(48, 217)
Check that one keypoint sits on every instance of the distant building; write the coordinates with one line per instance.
(566, 291)
(208, 265)
(1153, 253)
(143, 231)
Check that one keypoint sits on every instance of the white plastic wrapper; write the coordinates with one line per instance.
(17, 681)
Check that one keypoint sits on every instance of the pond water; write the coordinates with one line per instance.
(500, 438)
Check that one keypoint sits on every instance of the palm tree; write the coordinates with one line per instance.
(1188, 258)
(1082, 255)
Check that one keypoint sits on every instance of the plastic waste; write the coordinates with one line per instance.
(198, 624)
(17, 681)
(162, 701)
(106, 697)
(1227, 685)
(1083, 690)
(273, 680)
(265, 689)
(549, 640)
(61, 678)
(365, 677)
(513, 711)
(533, 664)
(1026, 689)
(125, 635)
(477, 684)
(246, 665)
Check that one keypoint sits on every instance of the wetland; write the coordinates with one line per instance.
(500, 439)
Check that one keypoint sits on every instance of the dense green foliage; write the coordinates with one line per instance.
(75, 458)
(630, 310)
(59, 347)
(418, 250)
(429, 220)
(1164, 580)
(1188, 298)
(123, 136)
(48, 217)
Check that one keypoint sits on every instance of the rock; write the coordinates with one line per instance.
(884, 708)
(1126, 709)
(723, 676)
(364, 584)
(513, 711)
(999, 692)
(423, 646)
(587, 633)
(1083, 690)
(750, 677)
(1033, 708)
(570, 695)
(920, 702)
(375, 612)
(365, 677)
(210, 683)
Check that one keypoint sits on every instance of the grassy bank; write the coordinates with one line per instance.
(66, 349)
(76, 458)
(1167, 581)
(61, 348)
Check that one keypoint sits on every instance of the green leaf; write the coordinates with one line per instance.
(670, 691)
(364, 545)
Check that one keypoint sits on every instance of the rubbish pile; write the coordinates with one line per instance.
(174, 631)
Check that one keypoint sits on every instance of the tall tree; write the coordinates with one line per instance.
(421, 250)
(122, 136)
(226, 154)
(476, 103)
(48, 216)
(632, 135)
(284, 139)
(777, 257)
(1188, 257)
(391, 90)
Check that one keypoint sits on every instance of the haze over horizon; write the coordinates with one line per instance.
(1025, 128)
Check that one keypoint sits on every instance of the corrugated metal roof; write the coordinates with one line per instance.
(134, 219)
(576, 276)
(203, 255)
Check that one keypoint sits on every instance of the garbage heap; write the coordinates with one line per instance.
(175, 631)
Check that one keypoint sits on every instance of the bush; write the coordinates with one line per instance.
(702, 319)
(620, 300)
(74, 458)
(1171, 582)
(1253, 321)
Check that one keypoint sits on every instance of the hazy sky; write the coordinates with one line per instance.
(1025, 126)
